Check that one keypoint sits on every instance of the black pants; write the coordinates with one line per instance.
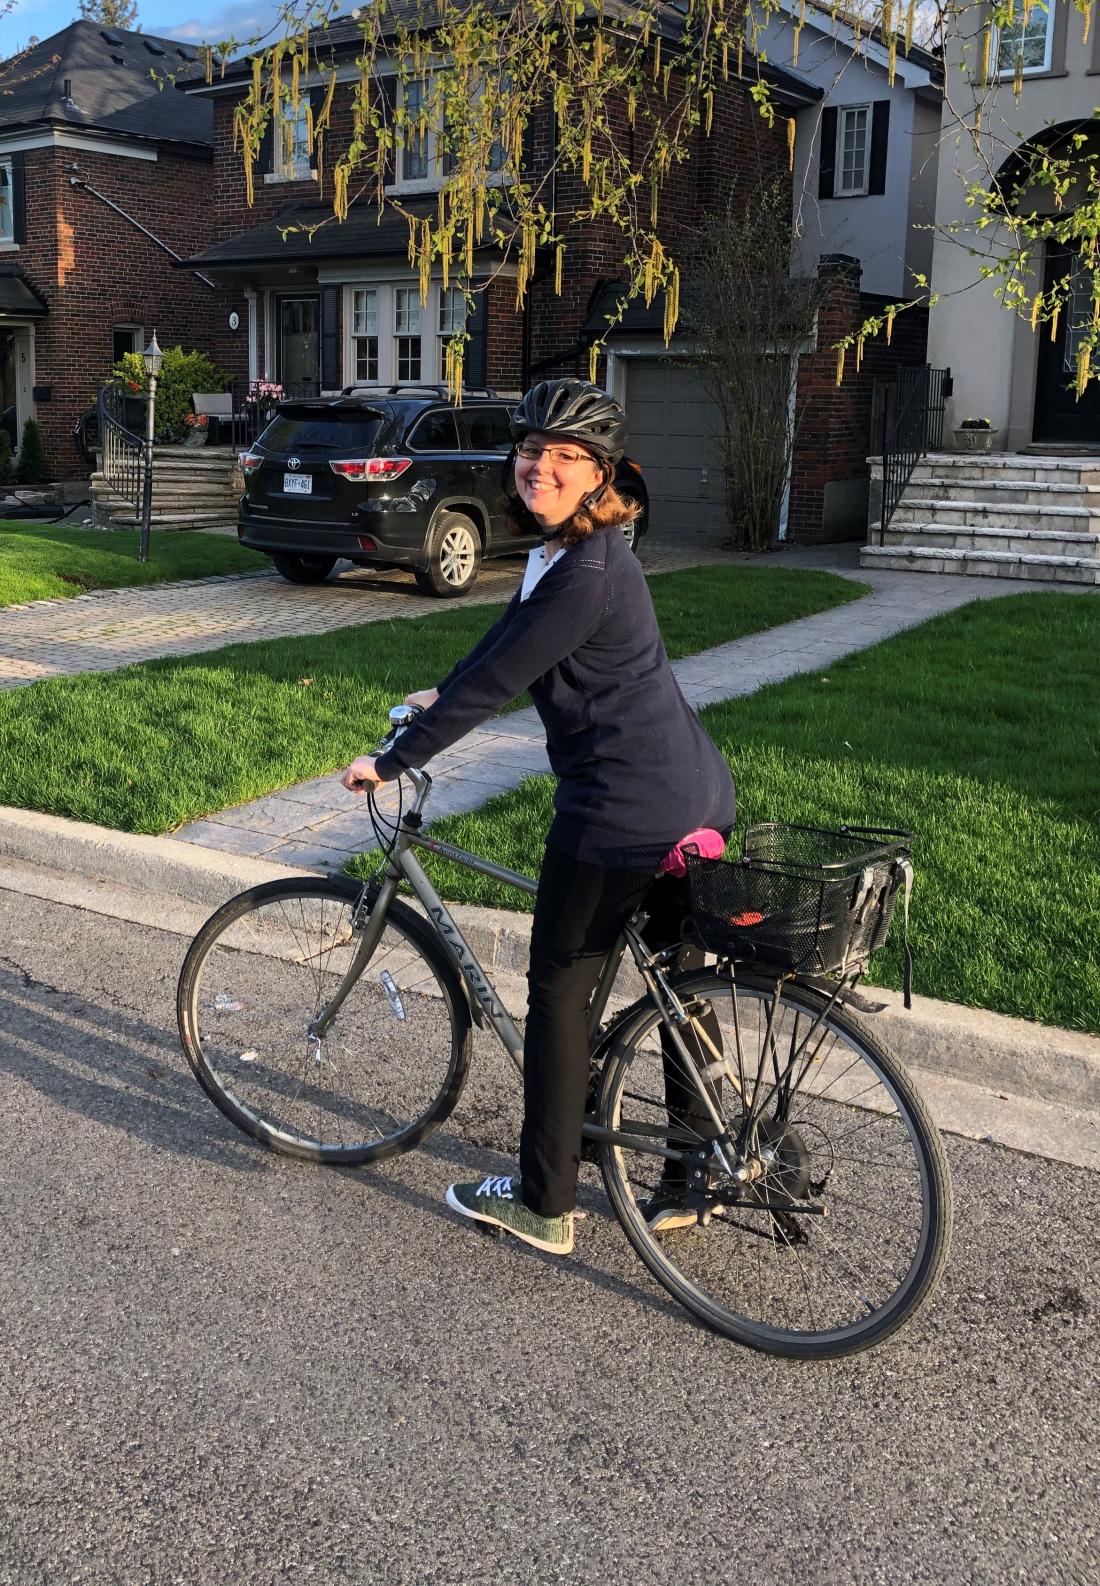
(580, 911)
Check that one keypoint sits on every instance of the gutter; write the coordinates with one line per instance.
(79, 182)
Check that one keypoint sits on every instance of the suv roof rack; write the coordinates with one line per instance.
(416, 388)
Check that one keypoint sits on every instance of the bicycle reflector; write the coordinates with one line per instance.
(373, 470)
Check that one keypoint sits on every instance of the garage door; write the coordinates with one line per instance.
(673, 436)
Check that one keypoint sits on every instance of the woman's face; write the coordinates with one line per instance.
(553, 476)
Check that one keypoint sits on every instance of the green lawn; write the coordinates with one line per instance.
(45, 561)
(149, 747)
(979, 732)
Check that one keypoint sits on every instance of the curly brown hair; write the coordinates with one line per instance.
(609, 512)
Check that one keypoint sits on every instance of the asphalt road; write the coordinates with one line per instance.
(218, 1366)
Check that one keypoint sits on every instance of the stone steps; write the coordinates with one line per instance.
(1038, 568)
(125, 519)
(1007, 515)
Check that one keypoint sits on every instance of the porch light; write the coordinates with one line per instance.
(152, 358)
(374, 469)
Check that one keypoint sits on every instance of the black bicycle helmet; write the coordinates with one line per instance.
(573, 410)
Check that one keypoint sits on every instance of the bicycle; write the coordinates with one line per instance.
(330, 1021)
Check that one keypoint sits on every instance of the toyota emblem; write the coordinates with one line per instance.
(294, 462)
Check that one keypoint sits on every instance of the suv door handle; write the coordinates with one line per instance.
(480, 468)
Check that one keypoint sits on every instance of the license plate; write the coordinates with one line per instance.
(297, 485)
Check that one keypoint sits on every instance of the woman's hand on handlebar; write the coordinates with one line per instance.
(361, 775)
(425, 698)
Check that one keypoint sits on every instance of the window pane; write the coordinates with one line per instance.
(1079, 309)
(406, 310)
(7, 219)
(452, 311)
(125, 340)
(436, 432)
(487, 429)
(415, 157)
(853, 149)
(408, 358)
(364, 313)
(1030, 40)
(366, 357)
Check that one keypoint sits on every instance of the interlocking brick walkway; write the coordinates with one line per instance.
(112, 628)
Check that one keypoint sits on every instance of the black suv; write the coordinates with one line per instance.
(390, 476)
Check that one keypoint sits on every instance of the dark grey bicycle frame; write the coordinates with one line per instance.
(402, 864)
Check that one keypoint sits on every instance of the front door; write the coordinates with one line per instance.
(1060, 418)
(299, 346)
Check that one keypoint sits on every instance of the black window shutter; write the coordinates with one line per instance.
(880, 137)
(18, 197)
(331, 379)
(827, 172)
(474, 362)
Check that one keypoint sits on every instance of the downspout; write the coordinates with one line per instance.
(78, 181)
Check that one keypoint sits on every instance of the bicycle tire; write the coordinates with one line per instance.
(687, 1262)
(251, 982)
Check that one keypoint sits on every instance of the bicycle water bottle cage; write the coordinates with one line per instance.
(704, 842)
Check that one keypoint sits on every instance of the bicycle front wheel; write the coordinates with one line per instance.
(389, 1067)
(833, 1228)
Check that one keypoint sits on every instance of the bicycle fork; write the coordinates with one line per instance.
(318, 1027)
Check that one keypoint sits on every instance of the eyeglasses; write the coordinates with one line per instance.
(553, 454)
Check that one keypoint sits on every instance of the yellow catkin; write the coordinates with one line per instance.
(340, 192)
(425, 259)
(276, 80)
(593, 362)
(469, 247)
(653, 202)
(892, 60)
(839, 365)
(889, 324)
(586, 157)
(1055, 315)
(795, 43)
(295, 93)
(708, 99)
(792, 131)
(740, 57)
(657, 61)
(309, 129)
(559, 262)
(1088, 24)
(859, 353)
(208, 61)
(631, 105)
(1084, 358)
(666, 73)
(248, 189)
(672, 305)
(910, 23)
(1036, 305)
(983, 65)
(411, 223)
(725, 61)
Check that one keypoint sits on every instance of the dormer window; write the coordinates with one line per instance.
(1030, 40)
(7, 206)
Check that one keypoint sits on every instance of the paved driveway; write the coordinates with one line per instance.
(220, 1367)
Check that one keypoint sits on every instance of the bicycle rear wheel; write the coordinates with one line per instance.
(391, 1064)
(842, 1233)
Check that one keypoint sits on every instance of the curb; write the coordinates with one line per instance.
(978, 1048)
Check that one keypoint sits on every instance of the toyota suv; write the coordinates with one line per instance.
(391, 476)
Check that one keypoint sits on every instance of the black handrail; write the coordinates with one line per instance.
(122, 450)
(917, 428)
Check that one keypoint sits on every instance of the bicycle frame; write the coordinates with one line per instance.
(402, 864)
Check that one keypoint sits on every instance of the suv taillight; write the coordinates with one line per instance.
(371, 469)
(249, 462)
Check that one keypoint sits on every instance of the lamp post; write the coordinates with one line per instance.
(152, 358)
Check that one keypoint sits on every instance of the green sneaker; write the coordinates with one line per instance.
(497, 1201)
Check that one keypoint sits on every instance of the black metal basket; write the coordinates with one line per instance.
(800, 898)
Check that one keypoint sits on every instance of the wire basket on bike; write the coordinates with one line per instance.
(800, 898)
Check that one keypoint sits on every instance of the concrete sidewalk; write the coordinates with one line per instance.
(316, 824)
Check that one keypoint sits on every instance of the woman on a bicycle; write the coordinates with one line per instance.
(636, 773)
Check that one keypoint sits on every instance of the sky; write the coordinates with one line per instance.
(194, 20)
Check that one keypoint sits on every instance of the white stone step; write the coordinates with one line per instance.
(1007, 466)
(120, 519)
(987, 564)
(1018, 491)
(1008, 514)
(961, 536)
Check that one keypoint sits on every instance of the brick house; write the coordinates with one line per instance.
(104, 183)
(342, 305)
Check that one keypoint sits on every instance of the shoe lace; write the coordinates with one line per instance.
(496, 1185)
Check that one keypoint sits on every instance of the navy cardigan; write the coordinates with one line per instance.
(636, 772)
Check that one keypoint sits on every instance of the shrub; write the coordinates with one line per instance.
(5, 458)
(32, 456)
(975, 424)
(181, 374)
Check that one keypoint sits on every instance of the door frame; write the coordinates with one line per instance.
(23, 351)
(278, 299)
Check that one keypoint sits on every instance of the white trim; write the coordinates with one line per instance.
(349, 273)
(253, 334)
(71, 140)
(839, 190)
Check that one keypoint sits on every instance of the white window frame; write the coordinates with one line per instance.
(429, 317)
(366, 334)
(282, 169)
(7, 212)
(435, 176)
(1040, 9)
(843, 112)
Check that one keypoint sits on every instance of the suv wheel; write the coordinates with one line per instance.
(454, 556)
(632, 532)
(304, 569)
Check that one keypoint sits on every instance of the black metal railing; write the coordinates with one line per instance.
(250, 412)
(121, 445)
(916, 428)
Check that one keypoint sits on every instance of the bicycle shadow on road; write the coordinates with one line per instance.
(112, 1068)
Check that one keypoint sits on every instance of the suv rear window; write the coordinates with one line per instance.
(306, 430)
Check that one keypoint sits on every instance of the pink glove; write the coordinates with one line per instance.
(704, 841)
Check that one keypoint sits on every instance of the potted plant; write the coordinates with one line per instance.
(198, 427)
(974, 435)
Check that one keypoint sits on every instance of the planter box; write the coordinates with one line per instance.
(975, 440)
